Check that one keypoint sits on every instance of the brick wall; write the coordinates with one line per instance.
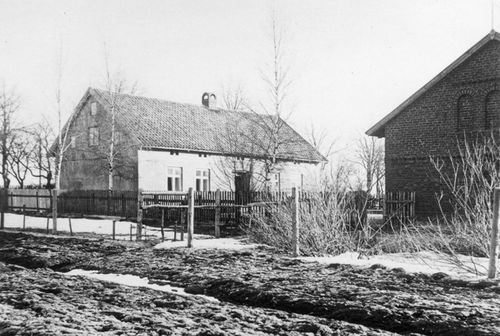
(465, 102)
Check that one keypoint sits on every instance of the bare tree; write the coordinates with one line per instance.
(259, 138)
(268, 118)
(370, 155)
(116, 85)
(9, 105)
(234, 98)
(18, 161)
(41, 160)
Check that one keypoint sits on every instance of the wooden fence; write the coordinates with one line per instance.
(79, 202)
(30, 199)
(230, 210)
(399, 206)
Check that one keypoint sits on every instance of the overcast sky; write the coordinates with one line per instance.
(352, 62)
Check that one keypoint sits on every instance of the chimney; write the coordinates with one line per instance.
(209, 100)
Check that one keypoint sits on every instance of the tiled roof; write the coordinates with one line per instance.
(160, 124)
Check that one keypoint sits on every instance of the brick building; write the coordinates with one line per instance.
(167, 146)
(464, 99)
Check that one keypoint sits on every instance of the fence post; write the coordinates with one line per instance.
(139, 215)
(108, 202)
(24, 216)
(70, 226)
(295, 222)
(190, 216)
(492, 269)
(124, 207)
(217, 214)
(3, 205)
(162, 224)
(175, 230)
(183, 223)
(130, 232)
(114, 228)
(37, 202)
(54, 210)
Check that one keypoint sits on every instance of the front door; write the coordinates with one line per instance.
(242, 188)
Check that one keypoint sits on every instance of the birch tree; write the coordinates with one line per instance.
(277, 82)
(115, 157)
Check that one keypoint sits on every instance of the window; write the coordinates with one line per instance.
(277, 182)
(174, 179)
(73, 142)
(203, 180)
(492, 119)
(93, 108)
(93, 136)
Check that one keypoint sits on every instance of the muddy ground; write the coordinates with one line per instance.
(260, 292)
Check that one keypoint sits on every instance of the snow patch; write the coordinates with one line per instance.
(424, 262)
(134, 281)
(86, 225)
(219, 243)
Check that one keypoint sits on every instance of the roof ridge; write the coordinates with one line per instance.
(179, 103)
(378, 128)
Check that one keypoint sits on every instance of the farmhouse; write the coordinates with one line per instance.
(167, 146)
(463, 101)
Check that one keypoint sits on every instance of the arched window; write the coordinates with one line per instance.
(465, 113)
(492, 115)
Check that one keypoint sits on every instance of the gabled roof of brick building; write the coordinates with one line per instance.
(378, 129)
(164, 125)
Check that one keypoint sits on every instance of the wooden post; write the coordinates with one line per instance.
(190, 217)
(114, 228)
(54, 210)
(175, 230)
(130, 232)
(108, 202)
(295, 222)
(183, 223)
(162, 224)
(217, 214)
(37, 202)
(139, 215)
(492, 269)
(47, 224)
(70, 226)
(24, 216)
(3, 205)
(124, 207)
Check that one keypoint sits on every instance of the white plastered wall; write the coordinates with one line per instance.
(152, 169)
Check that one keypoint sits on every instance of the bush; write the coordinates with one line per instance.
(469, 186)
(330, 223)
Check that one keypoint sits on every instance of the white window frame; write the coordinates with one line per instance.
(93, 136)
(174, 179)
(93, 108)
(277, 181)
(202, 179)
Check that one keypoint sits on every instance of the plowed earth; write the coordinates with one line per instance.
(260, 293)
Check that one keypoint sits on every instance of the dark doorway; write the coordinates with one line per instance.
(242, 187)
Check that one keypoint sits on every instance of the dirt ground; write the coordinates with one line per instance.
(259, 292)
